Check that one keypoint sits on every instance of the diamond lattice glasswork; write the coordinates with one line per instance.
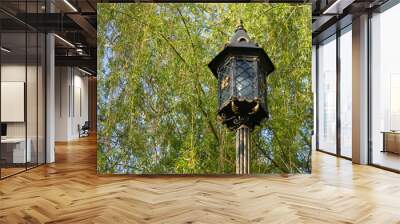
(224, 81)
(245, 74)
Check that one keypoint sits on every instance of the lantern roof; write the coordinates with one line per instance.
(241, 44)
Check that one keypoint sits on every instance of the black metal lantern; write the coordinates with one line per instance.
(241, 69)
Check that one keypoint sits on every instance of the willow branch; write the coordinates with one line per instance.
(270, 159)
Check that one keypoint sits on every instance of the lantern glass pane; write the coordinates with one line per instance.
(224, 81)
(262, 92)
(245, 73)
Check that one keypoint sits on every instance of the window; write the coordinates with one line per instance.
(22, 77)
(385, 88)
(327, 95)
(346, 92)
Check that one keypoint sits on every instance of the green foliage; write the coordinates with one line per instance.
(157, 99)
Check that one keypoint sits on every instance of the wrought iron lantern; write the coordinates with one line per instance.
(241, 69)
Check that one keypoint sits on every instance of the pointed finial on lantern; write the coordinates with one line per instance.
(240, 26)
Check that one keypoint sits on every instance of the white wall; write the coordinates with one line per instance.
(33, 126)
(62, 81)
(81, 94)
(13, 101)
(14, 72)
(71, 87)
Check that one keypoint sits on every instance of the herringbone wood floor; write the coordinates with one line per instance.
(69, 191)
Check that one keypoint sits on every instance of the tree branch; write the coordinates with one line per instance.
(270, 159)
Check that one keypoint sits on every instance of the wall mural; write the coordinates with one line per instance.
(163, 108)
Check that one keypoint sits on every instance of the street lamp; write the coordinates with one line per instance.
(241, 69)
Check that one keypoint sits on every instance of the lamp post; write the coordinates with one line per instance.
(241, 69)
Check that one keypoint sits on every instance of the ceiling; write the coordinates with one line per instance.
(332, 15)
(75, 23)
